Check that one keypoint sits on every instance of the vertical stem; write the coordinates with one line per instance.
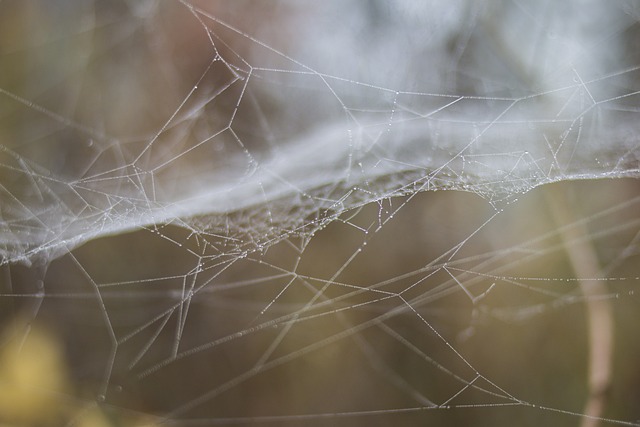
(600, 324)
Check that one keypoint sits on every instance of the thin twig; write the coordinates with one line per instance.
(599, 312)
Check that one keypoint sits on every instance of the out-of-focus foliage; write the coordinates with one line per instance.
(36, 388)
(33, 377)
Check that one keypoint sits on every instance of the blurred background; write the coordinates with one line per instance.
(218, 213)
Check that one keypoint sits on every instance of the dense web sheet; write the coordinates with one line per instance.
(228, 211)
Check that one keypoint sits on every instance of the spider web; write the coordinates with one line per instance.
(231, 213)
